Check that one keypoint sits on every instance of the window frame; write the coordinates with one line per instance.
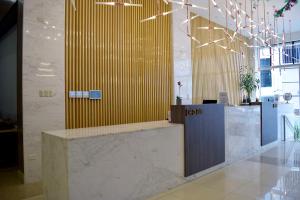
(280, 54)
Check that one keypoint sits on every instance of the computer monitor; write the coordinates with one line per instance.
(205, 101)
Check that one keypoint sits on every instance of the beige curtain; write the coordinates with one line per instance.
(214, 68)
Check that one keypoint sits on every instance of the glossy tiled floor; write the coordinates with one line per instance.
(11, 187)
(273, 175)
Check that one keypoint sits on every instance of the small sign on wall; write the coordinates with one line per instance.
(92, 94)
(86, 94)
(95, 94)
(72, 94)
(79, 94)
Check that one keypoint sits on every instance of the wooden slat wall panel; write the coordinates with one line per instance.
(215, 69)
(107, 48)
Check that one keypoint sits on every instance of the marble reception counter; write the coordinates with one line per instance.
(243, 131)
(136, 161)
(250, 129)
(123, 162)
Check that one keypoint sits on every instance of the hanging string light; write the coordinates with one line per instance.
(190, 19)
(183, 3)
(186, 3)
(159, 13)
(229, 36)
(119, 3)
(210, 28)
(188, 30)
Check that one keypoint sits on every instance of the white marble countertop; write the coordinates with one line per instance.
(107, 130)
(244, 108)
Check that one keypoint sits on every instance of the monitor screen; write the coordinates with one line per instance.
(205, 101)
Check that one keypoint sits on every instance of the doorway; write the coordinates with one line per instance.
(11, 134)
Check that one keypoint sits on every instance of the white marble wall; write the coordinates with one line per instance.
(182, 57)
(120, 166)
(55, 172)
(43, 69)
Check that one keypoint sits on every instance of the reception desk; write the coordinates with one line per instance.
(249, 129)
(136, 161)
(243, 131)
(204, 135)
(122, 162)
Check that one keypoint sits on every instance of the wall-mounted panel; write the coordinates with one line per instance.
(109, 49)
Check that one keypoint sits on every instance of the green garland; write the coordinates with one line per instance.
(288, 5)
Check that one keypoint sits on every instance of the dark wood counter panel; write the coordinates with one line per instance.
(204, 138)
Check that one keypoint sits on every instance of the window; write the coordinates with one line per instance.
(265, 64)
(276, 55)
(280, 79)
(288, 55)
(296, 54)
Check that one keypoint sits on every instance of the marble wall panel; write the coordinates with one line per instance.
(43, 69)
(126, 166)
(242, 131)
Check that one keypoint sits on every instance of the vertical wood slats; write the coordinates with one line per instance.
(215, 69)
(107, 48)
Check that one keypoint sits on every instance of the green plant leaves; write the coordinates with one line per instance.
(249, 83)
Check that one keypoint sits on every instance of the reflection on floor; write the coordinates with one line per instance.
(11, 187)
(273, 175)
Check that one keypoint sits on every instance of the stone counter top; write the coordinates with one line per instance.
(107, 130)
(243, 108)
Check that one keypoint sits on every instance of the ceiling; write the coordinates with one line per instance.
(5, 5)
(293, 14)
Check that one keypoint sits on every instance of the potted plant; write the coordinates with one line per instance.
(249, 83)
(179, 98)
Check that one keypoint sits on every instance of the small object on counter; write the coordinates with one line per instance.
(287, 97)
(276, 98)
(169, 117)
(297, 112)
(178, 100)
(223, 98)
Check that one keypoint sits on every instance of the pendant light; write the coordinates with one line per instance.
(186, 3)
(227, 34)
(119, 3)
(159, 13)
(210, 28)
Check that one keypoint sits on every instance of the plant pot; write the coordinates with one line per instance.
(178, 101)
(248, 100)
